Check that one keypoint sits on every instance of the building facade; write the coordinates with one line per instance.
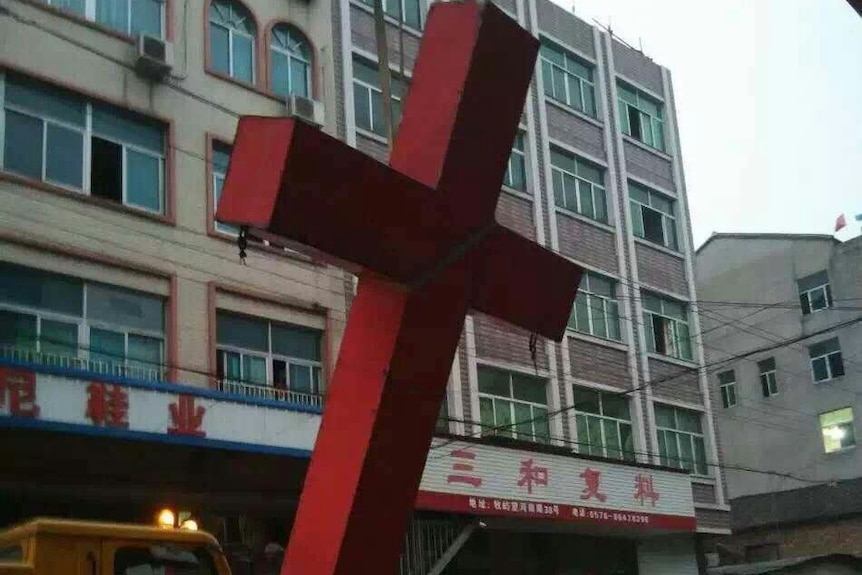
(126, 309)
(784, 370)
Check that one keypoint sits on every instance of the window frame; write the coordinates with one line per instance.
(727, 388)
(827, 361)
(625, 124)
(87, 133)
(587, 447)
(376, 90)
(89, 15)
(584, 84)
(511, 400)
(807, 301)
(768, 385)
(702, 469)
(269, 357)
(518, 152)
(668, 221)
(421, 7)
(232, 31)
(309, 63)
(674, 327)
(609, 307)
(559, 173)
(85, 325)
(851, 422)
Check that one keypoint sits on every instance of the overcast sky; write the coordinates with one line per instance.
(769, 97)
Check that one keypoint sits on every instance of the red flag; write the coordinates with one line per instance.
(840, 222)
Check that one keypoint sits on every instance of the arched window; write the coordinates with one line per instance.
(232, 40)
(289, 62)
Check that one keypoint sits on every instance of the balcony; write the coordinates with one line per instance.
(107, 368)
(270, 393)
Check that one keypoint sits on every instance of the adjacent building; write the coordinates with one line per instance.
(782, 329)
(144, 362)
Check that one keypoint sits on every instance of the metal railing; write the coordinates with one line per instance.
(110, 368)
(425, 543)
(271, 393)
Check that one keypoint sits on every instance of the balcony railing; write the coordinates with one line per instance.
(271, 393)
(110, 368)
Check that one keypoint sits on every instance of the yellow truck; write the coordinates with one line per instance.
(67, 547)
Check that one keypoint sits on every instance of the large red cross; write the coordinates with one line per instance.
(423, 233)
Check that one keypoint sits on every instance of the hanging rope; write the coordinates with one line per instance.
(242, 244)
(534, 338)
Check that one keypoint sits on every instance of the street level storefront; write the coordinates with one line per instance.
(544, 510)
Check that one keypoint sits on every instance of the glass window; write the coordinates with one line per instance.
(680, 438)
(290, 62)
(567, 79)
(578, 185)
(826, 360)
(409, 11)
(368, 98)
(513, 405)
(641, 116)
(232, 33)
(768, 381)
(666, 325)
(516, 171)
(268, 359)
(130, 17)
(815, 293)
(46, 134)
(603, 424)
(838, 429)
(653, 216)
(220, 160)
(596, 309)
(727, 387)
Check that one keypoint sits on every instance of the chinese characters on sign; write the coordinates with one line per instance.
(591, 478)
(532, 474)
(108, 405)
(644, 489)
(186, 418)
(18, 391)
(465, 470)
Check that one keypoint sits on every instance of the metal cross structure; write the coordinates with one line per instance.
(421, 234)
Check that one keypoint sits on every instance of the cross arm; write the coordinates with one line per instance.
(523, 283)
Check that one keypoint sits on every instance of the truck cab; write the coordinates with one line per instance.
(68, 547)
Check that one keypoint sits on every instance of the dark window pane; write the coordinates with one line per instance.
(299, 78)
(824, 347)
(362, 107)
(279, 374)
(243, 58)
(634, 119)
(44, 100)
(818, 299)
(803, 301)
(113, 14)
(17, 330)
(300, 378)
(143, 181)
(296, 342)
(126, 308)
(614, 405)
(64, 156)
(41, 290)
(147, 17)
(529, 388)
(653, 228)
(22, 152)
(586, 400)
(107, 346)
(411, 13)
(503, 417)
(523, 421)
(219, 49)
(59, 337)
(494, 382)
(127, 128)
(836, 365)
(106, 178)
(486, 413)
(819, 367)
(241, 331)
(658, 333)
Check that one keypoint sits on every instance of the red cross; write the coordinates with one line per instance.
(422, 235)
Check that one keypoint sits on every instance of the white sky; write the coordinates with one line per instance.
(769, 97)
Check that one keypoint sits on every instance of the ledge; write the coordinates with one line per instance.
(518, 193)
(674, 360)
(585, 219)
(659, 248)
(573, 111)
(639, 144)
(596, 340)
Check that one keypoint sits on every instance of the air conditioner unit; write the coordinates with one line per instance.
(305, 109)
(155, 57)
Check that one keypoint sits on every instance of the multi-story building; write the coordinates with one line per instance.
(144, 363)
(784, 379)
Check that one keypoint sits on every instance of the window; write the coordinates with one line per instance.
(641, 117)
(579, 186)
(513, 405)
(653, 216)
(221, 160)
(410, 9)
(567, 79)
(680, 439)
(768, 383)
(58, 320)
(596, 309)
(232, 38)
(815, 293)
(159, 559)
(267, 359)
(289, 62)
(57, 137)
(443, 418)
(727, 386)
(826, 360)
(604, 424)
(132, 17)
(368, 98)
(666, 326)
(838, 429)
(516, 171)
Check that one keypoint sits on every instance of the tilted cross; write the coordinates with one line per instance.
(423, 233)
